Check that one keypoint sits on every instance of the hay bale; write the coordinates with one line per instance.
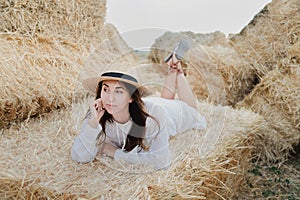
(76, 21)
(35, 160)
(219, 74)
(41, 74)
(165, 44)
(225, 70)
(214, 69)
(268, 38)
(37, 76)
(112, 52)
(217, 161)
(277, 99)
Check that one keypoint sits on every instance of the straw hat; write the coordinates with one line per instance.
(91, 83)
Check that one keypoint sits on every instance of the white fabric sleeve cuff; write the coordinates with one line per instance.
(84, 148)
(90, 133)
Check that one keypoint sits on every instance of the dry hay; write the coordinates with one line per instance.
(37, 76)
(112, 52)
(166, 43)
(219, 74)
(269, 37)
(42, 74)
(75, 21)
(277, 99)
(214, 69)
(44, 46)
(35, 160)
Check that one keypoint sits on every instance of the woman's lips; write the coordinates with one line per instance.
(110, 105)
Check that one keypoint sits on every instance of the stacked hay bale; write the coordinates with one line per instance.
(227, 72)
(36, 163)
(214, 167)
(165, 44)
(37, 76)
(277, 99)
(270, 43)
(44, 47)
(269, 38)
(219, 74)
(77, 22)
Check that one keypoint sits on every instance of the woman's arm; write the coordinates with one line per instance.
(157, 135)
(84, 148)
(158, 156)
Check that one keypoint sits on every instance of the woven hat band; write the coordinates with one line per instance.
(119, 75)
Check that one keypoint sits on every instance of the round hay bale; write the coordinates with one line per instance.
(277, 99)
(219, 74)
(267, 39)
(35, 160)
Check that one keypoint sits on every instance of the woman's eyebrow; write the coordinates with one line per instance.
(117, 87)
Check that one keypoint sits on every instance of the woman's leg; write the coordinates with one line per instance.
(184, 90)
(169, 89)
(175, 79)
(185, 93)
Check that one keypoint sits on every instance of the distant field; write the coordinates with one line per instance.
(142, 55)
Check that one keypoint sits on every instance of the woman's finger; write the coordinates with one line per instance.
(95, 104)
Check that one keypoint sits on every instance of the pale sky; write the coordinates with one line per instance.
(141, 21)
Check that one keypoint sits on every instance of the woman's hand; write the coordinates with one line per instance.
(108, 149)
(97, 112)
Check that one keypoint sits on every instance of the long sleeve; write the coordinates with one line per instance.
(158, 155)
(84, 148)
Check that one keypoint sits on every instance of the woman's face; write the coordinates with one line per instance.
(115, 97)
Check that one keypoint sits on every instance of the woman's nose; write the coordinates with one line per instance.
(111, 96)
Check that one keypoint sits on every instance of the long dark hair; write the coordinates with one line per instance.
(138, 115)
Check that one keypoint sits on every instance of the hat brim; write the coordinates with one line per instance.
(91, 84)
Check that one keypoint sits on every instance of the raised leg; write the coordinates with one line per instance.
(169, 89)
(175, 80)
(184, 90)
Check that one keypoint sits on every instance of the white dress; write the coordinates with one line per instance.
(173, 116)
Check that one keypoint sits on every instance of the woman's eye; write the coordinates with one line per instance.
(119, 91)
(105, 89)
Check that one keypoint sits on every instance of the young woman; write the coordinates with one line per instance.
(136, 129)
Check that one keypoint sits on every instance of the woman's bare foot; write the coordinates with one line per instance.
(175, 64)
